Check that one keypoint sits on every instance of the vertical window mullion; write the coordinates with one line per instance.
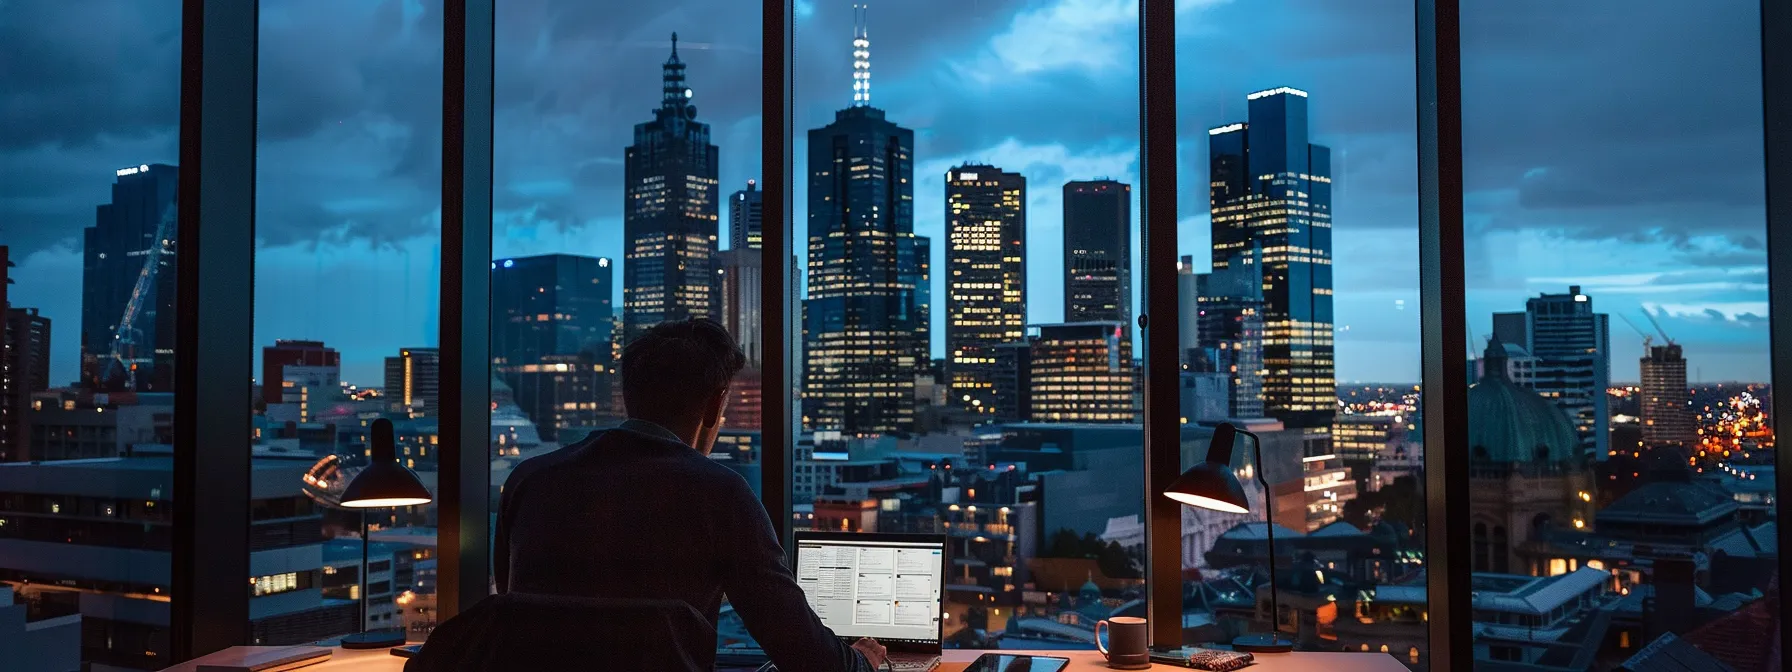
(1776, 103)
(1158, 325)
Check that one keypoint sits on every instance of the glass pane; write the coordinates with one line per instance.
(1299, 294)
(627, 158)
(89, 142)
(1622, 464)
(347, 268)
(968, 362)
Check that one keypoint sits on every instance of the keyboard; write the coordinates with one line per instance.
(914, 664)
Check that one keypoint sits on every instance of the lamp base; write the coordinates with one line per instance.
(374, 639)
(1263, 643)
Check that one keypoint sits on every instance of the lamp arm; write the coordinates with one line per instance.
(1269, 532)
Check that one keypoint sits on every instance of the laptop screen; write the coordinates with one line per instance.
(876, 586)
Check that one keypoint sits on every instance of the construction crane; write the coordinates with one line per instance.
(1657, 325)
(123, 355)
(1647, 339)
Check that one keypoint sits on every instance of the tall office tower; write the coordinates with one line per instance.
(1571, 347)
(1667, 403)
(288, 366)
(551, 338)
(1098, 252)
(746, 217)
(865, 321)
(1188, 306)
(1229, 313)
(986, 278)
(24, 367)
(1271, 189)
(413, 381)
(1014, 381)
(741, 274)
(669, 212)
(1082, 372)
(128, 284)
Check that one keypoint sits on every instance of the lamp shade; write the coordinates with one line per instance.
(1212, 484)
(384, 482)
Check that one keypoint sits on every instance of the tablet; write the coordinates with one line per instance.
(1004, 662)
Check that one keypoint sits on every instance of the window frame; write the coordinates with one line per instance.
(214, 345)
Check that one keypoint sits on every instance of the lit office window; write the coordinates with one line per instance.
(1620, 452)
(967, 358)
(1298, 293)
(347, 270)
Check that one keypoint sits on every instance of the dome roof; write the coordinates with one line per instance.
(1511, 424)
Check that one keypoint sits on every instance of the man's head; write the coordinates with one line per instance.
(676, 375)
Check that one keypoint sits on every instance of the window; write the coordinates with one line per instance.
(88, 263)
(968, 357)
(346, 279)
(1617, 297)
(1298, 295)
(627, 192)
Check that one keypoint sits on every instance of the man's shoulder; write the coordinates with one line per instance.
(687, 464)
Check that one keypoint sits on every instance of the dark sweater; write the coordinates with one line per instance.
(633, 512)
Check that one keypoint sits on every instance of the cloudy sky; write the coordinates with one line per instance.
(1610, 144)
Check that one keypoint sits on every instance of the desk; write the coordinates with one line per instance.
(379, 660)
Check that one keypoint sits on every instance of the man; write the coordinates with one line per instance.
(640, 511)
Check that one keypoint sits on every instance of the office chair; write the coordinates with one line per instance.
(518, 631)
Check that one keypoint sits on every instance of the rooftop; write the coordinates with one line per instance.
(1533, 595)
(1670, 502)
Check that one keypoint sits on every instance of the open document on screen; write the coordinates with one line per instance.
(885, 590)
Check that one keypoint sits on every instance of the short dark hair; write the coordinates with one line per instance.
(671, 372)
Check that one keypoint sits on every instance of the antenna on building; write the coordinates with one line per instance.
(861, 56)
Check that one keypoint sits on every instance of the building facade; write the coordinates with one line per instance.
(866, 319)
(24, 367)
(552, 326)
(669, 211)
(986, 278)
(1271, 190)
(289, 366)
(1571, 345)
(414, 381)
(1229, 314)
(746, 217)
(1098, 251)
(128, 284)
(1082, 373)
(1667, 414)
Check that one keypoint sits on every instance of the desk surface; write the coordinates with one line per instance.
(955, 660)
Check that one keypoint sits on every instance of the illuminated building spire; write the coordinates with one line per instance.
(674, 96)
(861, 57)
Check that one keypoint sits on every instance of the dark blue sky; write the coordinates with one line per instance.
(1611, 144)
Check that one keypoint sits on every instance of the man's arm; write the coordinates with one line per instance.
(765, 594)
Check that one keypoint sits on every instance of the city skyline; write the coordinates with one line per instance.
(1531, 188)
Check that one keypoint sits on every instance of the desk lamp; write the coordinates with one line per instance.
(1212, 485)
(382, 483)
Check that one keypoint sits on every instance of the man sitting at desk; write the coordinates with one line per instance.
(640, 511)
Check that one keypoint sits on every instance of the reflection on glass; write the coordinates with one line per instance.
(967, 357)
(1299, 236)
(1621, 456)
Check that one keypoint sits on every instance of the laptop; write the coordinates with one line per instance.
(889, 587)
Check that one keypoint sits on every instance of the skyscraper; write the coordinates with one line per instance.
(413, 381)
(128, 284)
(1572, 367)
(287, 365)
(986, 278)
(551, 338)
(865, 321)
(1098, 251)
(24, 367)
(746, 217)
(1188, 306)
(1229, 316)
(669, 211)
(1271, 189)
(1667, 415)
(1081, 372)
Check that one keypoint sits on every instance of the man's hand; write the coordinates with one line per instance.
(874, 652)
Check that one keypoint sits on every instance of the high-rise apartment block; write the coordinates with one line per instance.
(1667, 414)
(1571, 347)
